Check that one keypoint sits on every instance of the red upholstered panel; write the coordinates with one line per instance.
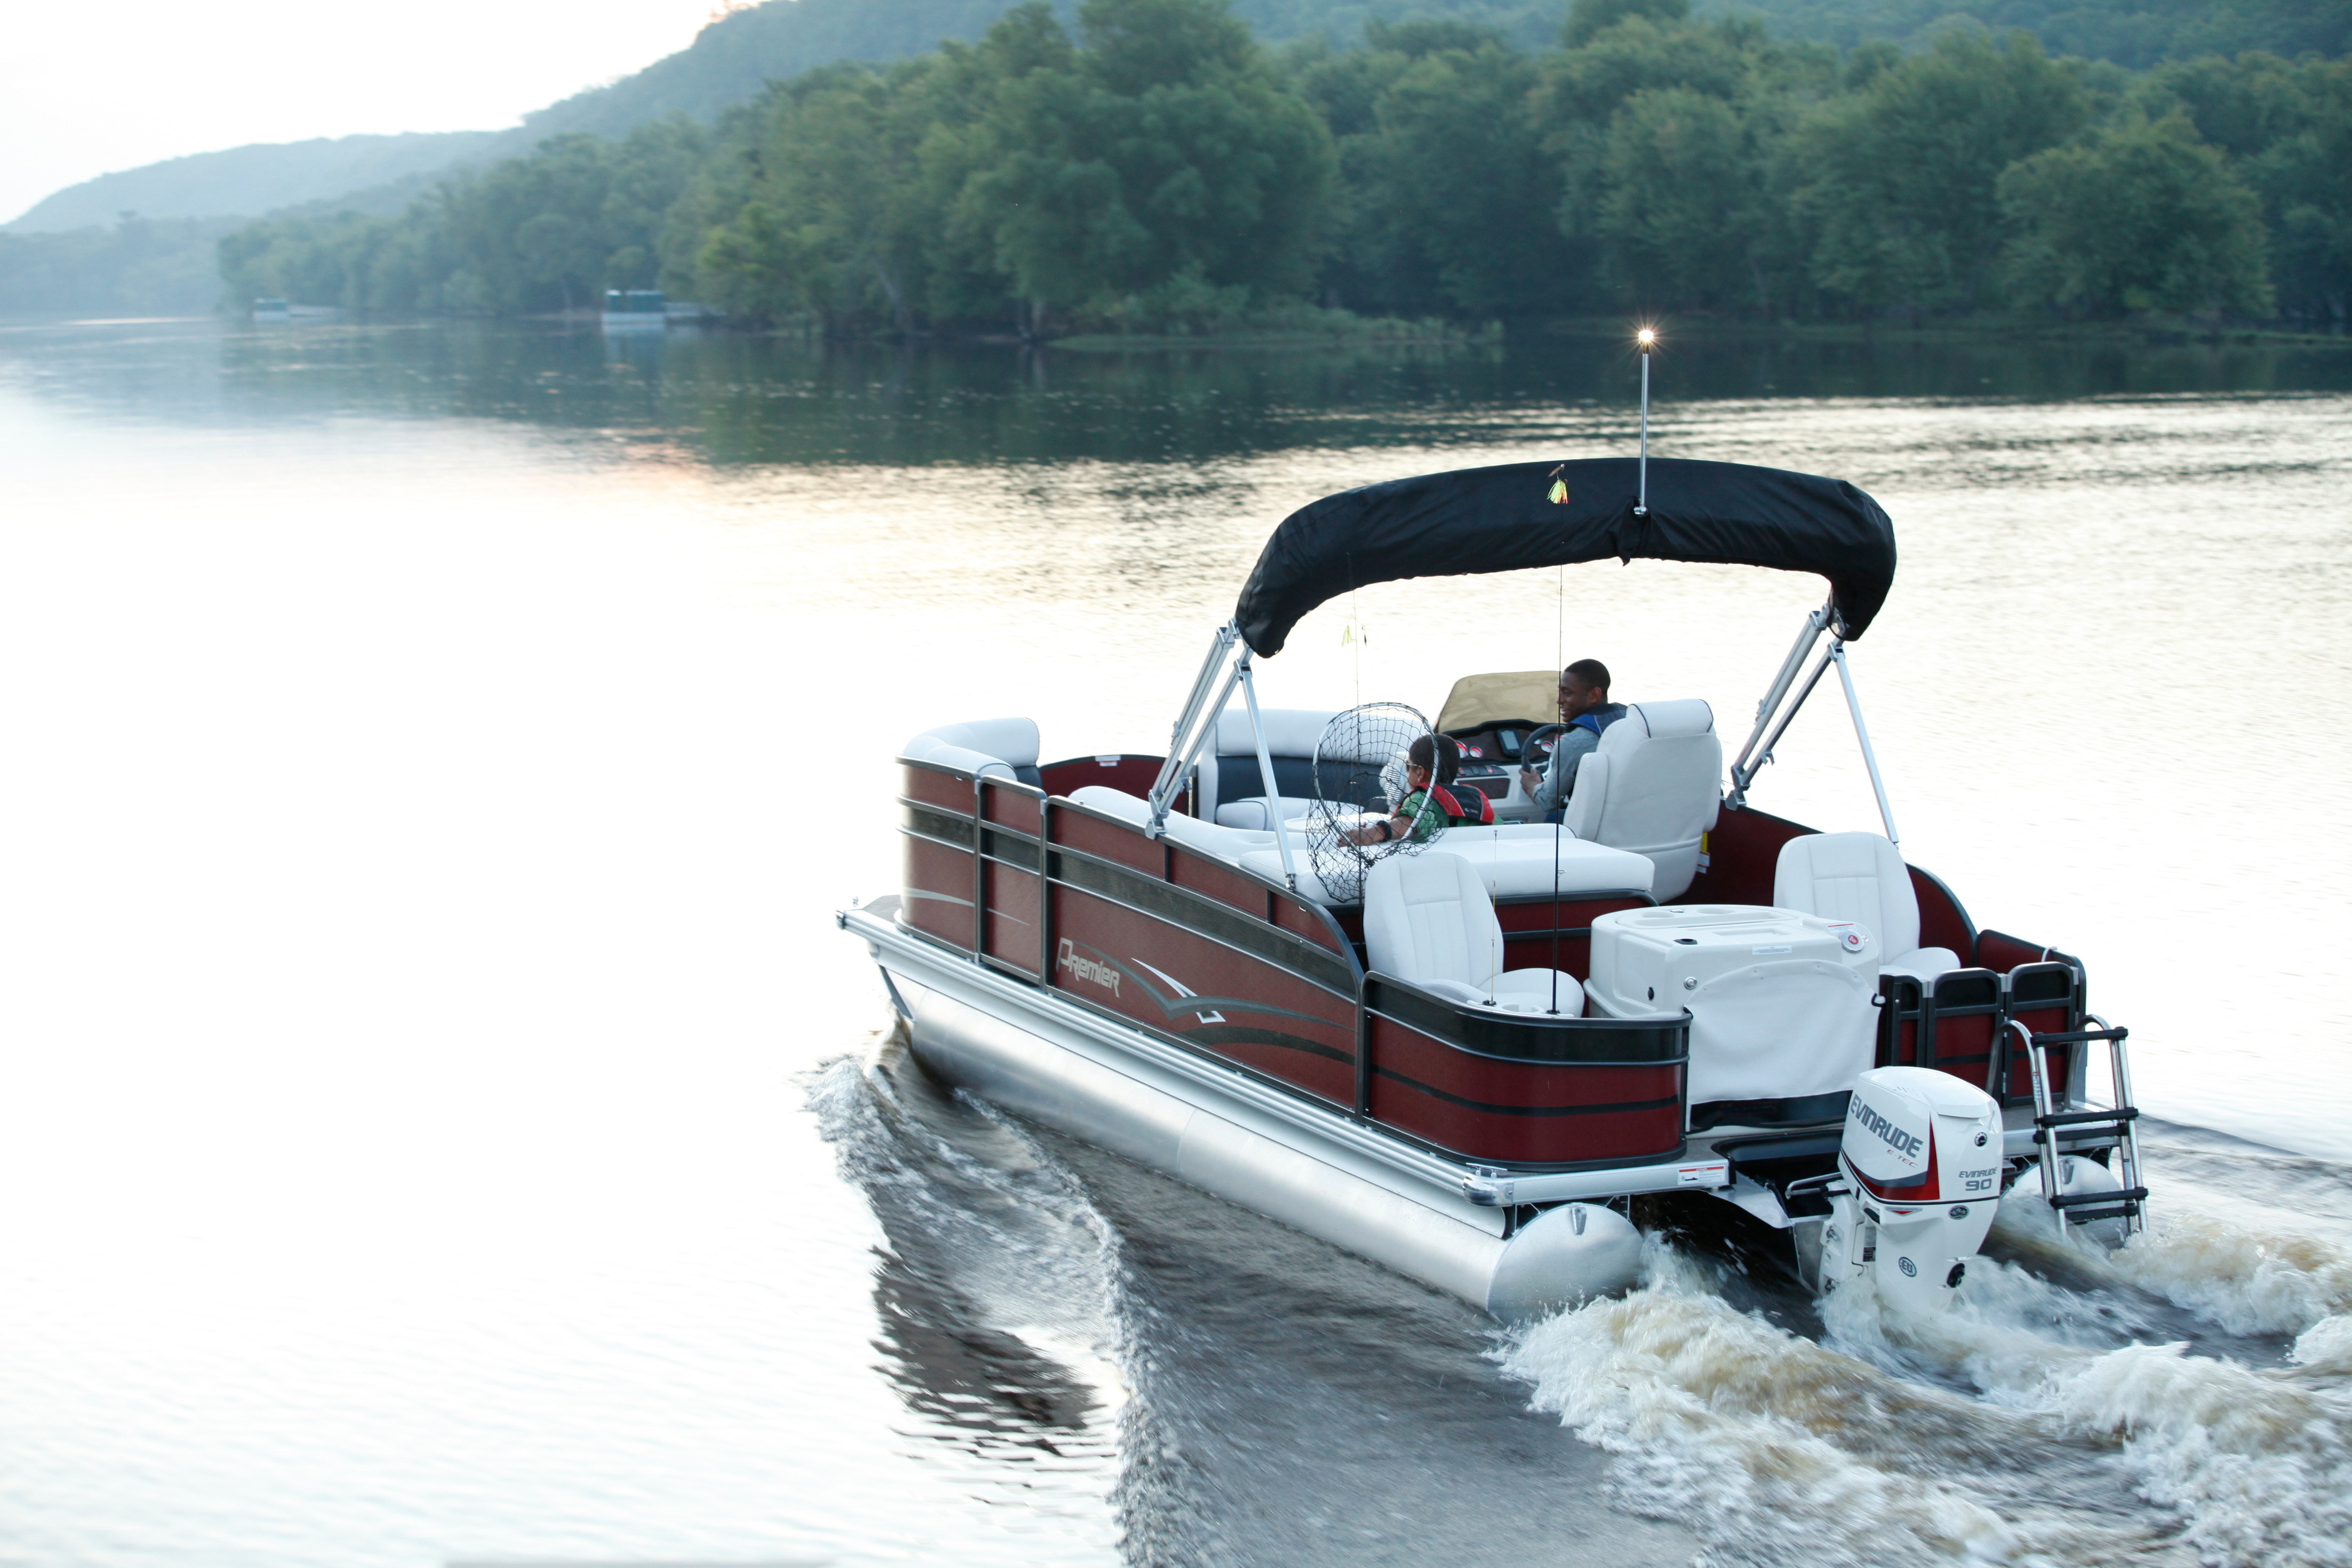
(1130, 775)
(1743, 853)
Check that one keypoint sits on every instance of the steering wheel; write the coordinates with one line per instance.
(1541, 735)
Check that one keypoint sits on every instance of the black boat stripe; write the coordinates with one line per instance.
(1669, 1102)
(1211, 1036)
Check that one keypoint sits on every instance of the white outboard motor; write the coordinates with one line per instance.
(1920, 1168)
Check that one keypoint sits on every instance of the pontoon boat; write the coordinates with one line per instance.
(1466, 1063)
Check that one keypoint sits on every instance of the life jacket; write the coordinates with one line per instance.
(1594, 722)
(1464, 804)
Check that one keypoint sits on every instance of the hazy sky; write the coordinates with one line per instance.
(85, 89)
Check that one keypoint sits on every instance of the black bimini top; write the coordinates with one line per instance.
(1502, 520)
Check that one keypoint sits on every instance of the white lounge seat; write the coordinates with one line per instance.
(1251, 814)
(1653, 785)
(1232, 787)
(1507, 866)
(1224, 843)
(1860, 877)
(1427, 919)
(1002, 748)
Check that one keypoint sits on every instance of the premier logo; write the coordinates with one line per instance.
(1906, 1144)
(1081, 967)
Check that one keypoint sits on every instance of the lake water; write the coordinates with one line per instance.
(442, 1125)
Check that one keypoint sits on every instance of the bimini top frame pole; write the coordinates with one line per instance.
(1773, 716)
(1198, 721)
(1759, 749)
(1266, 773)
(1861, 733)
(1179, 755)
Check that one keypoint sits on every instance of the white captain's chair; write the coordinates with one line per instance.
(1653, 787)
(1860, 877)
(1427, 919)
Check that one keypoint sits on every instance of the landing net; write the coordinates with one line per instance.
(1360, 780)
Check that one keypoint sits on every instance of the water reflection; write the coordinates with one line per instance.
(743, 399)
(461, 736)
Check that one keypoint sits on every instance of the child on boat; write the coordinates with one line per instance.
(1428, 808)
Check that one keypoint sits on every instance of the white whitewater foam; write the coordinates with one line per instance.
(1862, 1450)
(1778, 1450)
(2245, 1280)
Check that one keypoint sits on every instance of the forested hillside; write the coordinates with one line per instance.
(2136, 33)
(140, 267)
(250, 181)
(730, 60)
(1154, 167)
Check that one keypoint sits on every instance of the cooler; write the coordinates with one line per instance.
(1782, 1020)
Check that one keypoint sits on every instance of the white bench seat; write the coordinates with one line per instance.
(1511, 862)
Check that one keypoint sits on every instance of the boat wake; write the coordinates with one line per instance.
(996, 1294)
(2070, 1407)
(1175, 1381)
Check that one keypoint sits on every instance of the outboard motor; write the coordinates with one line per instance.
(1920, 1167)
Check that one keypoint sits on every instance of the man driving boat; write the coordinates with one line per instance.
(1585, 708)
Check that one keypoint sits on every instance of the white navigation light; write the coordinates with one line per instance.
(1648, 337)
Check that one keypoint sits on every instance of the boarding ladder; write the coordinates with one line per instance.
(2054, 1130)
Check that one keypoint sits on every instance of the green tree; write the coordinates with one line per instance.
(1898, 183)
(2142, 217)
(1452, 194)
(834, 224)
(1164, 163)
(1682, 208)
(2306, 182)
(1587, 19)
(1668, 146)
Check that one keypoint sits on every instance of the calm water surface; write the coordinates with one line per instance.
(442, 1125)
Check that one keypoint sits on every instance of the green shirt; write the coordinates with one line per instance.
(1426, 828)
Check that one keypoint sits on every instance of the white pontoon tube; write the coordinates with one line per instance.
(1311, 1169)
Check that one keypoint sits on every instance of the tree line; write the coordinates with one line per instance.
(1155, 168)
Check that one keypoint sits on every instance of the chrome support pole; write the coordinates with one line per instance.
(1788, 716)
(2127, 1145)
(1861, 733)
(1742, 772)
(1641, 506)
(2048, 1159)
(1266, 771)
(1161, 800)
(1179, 757)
